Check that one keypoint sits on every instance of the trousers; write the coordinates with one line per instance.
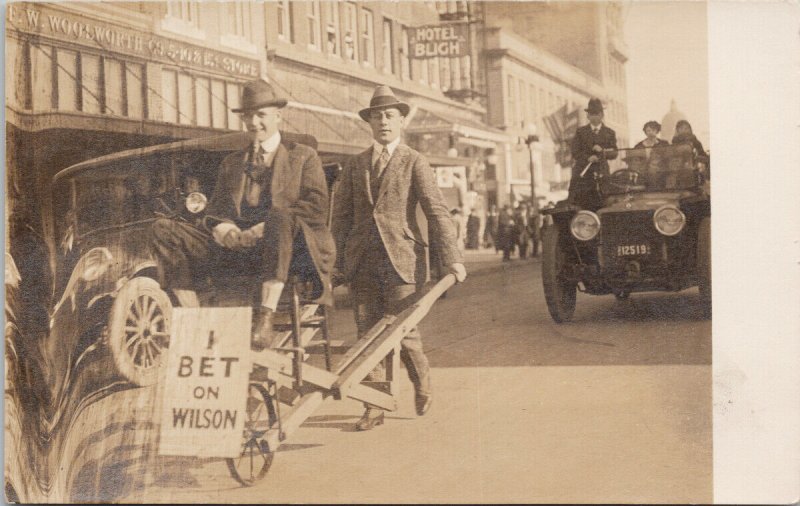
(378, 290)
(187, 254)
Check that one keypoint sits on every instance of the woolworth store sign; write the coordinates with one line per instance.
(53, 23)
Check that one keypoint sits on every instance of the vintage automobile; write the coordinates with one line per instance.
(652, 233)
(103, 208)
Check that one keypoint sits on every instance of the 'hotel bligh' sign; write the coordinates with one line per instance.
(446, 40)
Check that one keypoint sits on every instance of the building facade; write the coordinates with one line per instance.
(543, 59)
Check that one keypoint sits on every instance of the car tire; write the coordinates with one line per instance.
(704, 262)
(139, 330)
(559, 293)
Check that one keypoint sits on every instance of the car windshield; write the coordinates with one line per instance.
(656, 169)
(132, 190)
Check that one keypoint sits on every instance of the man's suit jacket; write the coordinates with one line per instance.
(298, 188)
(407, 181)
(582, 144)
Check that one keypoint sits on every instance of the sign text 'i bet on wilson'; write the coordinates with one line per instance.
(445, 40)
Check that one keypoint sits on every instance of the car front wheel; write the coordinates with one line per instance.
(559, 291)
(139, 330)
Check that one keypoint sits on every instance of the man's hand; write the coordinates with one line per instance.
(459, 270)
(597, 148)
(594, 158)
(232, 239)
(337, 277)
(250, 237)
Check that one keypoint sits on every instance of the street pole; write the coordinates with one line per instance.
(530, 139)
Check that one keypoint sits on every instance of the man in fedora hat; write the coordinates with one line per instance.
(594, 144)
(267, 213)
(380, 249)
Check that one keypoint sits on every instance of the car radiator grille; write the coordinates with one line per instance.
(631, 231)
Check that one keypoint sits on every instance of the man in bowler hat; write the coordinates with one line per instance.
(267, 211)
(594, 144)
(380, 249)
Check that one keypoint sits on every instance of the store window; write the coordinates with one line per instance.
(313, 25)
(67, 68)
(367, 38)
(388, 47)
(285, 21)
(332, 28)
(350, 31)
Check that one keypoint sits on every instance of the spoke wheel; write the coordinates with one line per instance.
(256, 457)
(559, 291)
(139, 330)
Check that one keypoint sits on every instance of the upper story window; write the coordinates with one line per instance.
(351, 31)
(284, 21)
(332, 28)
(183, 17)
(511, 100)
(367, 38)
(236, 29)
(388, 47)
(405, 64)
(314, 26)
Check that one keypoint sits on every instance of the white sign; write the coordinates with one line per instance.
(205, 389)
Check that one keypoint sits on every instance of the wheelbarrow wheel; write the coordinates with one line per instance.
(256, 457)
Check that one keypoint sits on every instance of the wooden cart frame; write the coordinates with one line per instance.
(282, 371)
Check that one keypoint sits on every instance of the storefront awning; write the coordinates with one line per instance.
(470, 132)
(337, 132)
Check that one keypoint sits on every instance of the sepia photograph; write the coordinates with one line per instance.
(331, 251)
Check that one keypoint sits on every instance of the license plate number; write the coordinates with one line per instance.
(633, 249)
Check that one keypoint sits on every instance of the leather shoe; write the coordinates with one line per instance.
(367, 422)
(263, 335)
(423, 403)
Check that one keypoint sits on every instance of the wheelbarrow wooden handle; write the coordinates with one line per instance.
(436, 291)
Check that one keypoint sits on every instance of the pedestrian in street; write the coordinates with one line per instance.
(521, 233)
(268, 208)
(594, 144)
(381, 251)
(473, 230)
(534, 230)
(505, 232)
(490, 232)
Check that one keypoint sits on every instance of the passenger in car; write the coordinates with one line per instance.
(651, 130)
(267, 212)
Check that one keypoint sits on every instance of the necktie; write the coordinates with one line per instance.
(381, 163)
(255, 172)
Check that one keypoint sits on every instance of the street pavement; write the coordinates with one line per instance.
(612, 407)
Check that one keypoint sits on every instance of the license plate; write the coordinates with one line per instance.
(633, 249)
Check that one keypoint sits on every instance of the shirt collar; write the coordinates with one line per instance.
(271, 144)
(377, 148)
(596, 129)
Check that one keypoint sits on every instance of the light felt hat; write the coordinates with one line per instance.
(383, 98)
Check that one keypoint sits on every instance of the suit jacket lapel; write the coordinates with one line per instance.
(237, 184)
(281, 172)
(396, 164)
(365, 166)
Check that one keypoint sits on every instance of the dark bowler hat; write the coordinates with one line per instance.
(257, 94)
(383, 98)
(595, 106)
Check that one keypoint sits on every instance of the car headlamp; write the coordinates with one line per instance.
(196, 202)
(585, 225)
(669, 220)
